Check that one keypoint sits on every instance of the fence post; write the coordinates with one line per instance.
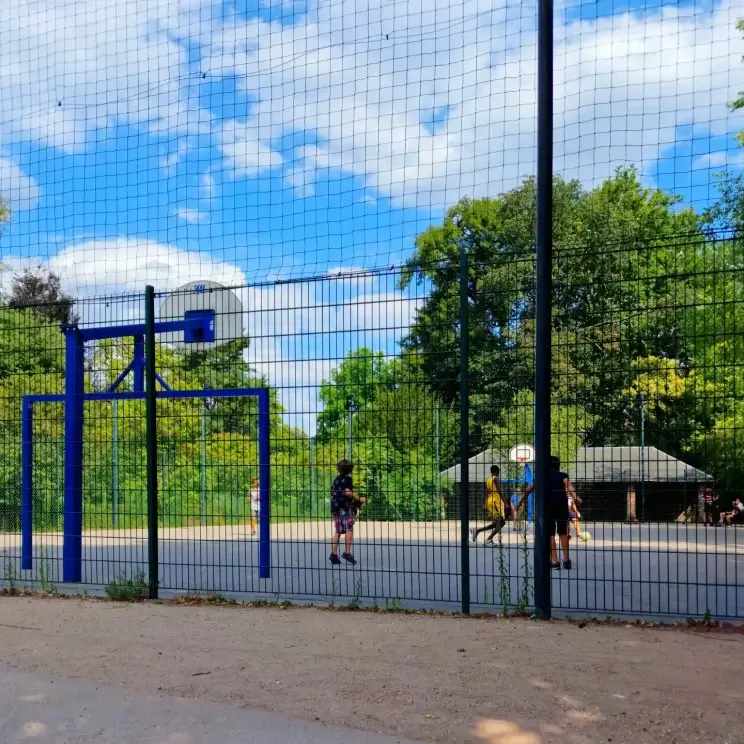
(203, 468)
(115, 465)
(464, 437)
(151, 442)
(543, 303)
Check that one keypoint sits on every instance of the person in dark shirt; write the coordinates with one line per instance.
(711, 508)
(556, 511)
(343, 500)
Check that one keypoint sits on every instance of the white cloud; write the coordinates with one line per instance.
(207, 186)
(369, 85)
(423, 102)
(98, 267)
(19, 190)
(245, 154)
(194, 216)
(299, 331)
(69, 68)
(170, 162)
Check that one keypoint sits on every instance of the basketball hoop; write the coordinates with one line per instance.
(219, 306)
(522, 453)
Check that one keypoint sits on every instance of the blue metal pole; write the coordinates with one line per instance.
(264, 487)
(138, 364)
(531, 497)
(72, 546)
(27, 488)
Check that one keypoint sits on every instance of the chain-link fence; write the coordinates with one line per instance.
(366, 367)
(426, 238)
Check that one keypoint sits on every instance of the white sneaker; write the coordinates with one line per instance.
(473, 536)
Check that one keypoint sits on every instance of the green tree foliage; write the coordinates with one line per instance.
(353, 386)
(607, 240)
(395, 418)
(569, 425)
(648, 306)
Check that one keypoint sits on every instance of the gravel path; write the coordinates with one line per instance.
(422, 677)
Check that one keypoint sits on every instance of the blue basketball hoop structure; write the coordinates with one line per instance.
(196, 326)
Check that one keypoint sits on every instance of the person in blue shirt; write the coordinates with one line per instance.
(343, 501)
(556, 511)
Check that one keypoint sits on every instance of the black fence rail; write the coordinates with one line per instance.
(366, 367)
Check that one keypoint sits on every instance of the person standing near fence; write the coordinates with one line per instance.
(711, 508)
(255, 504)
(343, 501)
(556, 511)
(496, 507)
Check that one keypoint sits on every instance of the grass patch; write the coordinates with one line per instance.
(203, 599)
(9, 576)
(125, 589)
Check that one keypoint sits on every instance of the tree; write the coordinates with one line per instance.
(569, 424)
(608, 240)
(360, 378)
(41, 291)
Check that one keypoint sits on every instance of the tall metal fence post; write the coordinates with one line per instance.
(543, 303)
(151, 442)
(115, 465)
(313, 486)
(643, 458)
(464, 438)
(203, 468)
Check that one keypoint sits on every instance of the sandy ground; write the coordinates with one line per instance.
(423, 677)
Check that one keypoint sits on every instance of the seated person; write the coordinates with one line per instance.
(736, 515)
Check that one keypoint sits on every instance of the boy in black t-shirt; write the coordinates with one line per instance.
(556, 511)
(343, 499)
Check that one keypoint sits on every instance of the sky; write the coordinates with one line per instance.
(165, 141)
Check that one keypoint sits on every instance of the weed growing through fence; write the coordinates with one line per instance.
(393, 605)
(9, 576)
(125, 589)
(523, 602)
(504, 589)
(335, 591)
(356, 602)
(45, 579)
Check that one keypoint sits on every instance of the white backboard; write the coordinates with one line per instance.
(203, 295)
(522, 453)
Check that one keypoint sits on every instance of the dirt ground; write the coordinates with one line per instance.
(424, 677)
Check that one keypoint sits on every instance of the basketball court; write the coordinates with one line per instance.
(649, 570)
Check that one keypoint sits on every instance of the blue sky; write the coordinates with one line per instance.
(170, 140)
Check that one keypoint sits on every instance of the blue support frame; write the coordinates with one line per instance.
(72, 529)
(27, 482)
(73, 532)
(198, 327)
